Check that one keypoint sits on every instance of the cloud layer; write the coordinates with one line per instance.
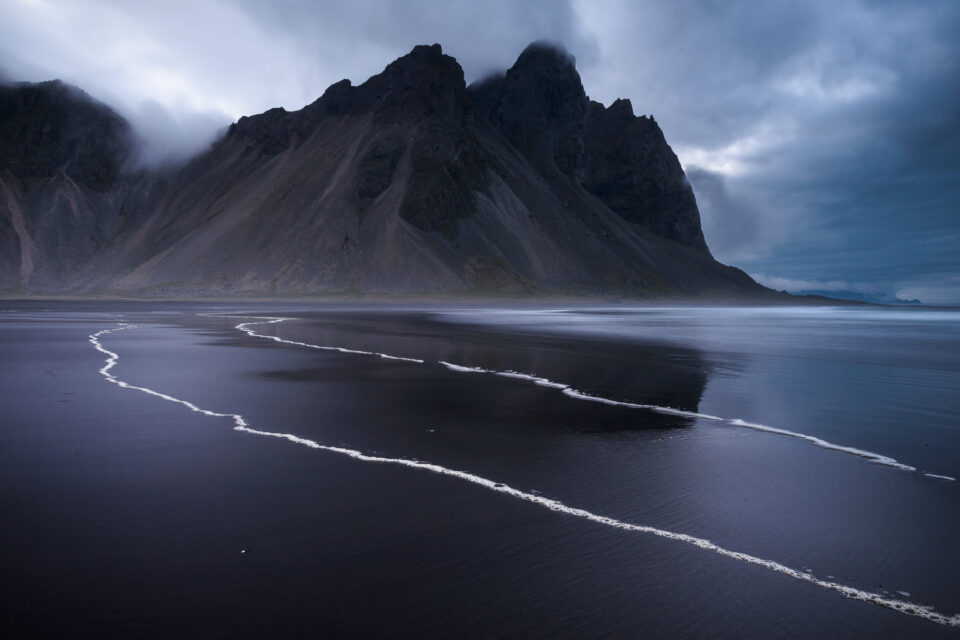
(820, 138)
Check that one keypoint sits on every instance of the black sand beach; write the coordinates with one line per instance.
(128, 515)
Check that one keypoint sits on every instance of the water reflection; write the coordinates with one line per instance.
(652, 373)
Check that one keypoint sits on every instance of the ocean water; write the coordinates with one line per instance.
(504, 472)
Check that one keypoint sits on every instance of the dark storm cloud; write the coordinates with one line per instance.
(484, 36)
(820, 137)
(196, 66)
(732, 222)
(215, 61)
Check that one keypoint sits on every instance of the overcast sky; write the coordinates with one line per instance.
(822, 139)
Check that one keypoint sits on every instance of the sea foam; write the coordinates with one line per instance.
(736, 422)
(244, 326)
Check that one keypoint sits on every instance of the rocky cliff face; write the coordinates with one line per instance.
(52, 127)
(631, 168)
(65, 190)
(409, 183)
(539, 106)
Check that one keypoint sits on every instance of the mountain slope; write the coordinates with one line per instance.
(64, 190)
(409, 183)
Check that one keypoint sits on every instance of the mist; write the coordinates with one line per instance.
(164, 139)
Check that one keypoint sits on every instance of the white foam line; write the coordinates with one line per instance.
(543, 382)
(245, 327)
(869, 455)
(940, 477)
(579, 395)
(461, 369)
(736, 422)
(240, 424)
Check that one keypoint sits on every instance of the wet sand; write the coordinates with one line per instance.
(128, 515)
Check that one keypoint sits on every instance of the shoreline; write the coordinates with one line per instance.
(466, 300)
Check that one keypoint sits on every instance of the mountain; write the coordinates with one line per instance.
(409, 183)
(65, 193)
(875, 297)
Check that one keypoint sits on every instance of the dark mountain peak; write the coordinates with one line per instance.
(423, 83)
(424, 65)
(538, 105)
(631, 168)
(620, 114)
(50, 126)
(249, 122)
(545, 77)
(621, 108)
(425, 91)
(422, 55)
(544, 55)
(55, 90)
(268, 129)
(336, 100)
(549, 75)
(337, 88)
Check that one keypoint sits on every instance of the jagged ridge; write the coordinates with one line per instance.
(411, 182)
